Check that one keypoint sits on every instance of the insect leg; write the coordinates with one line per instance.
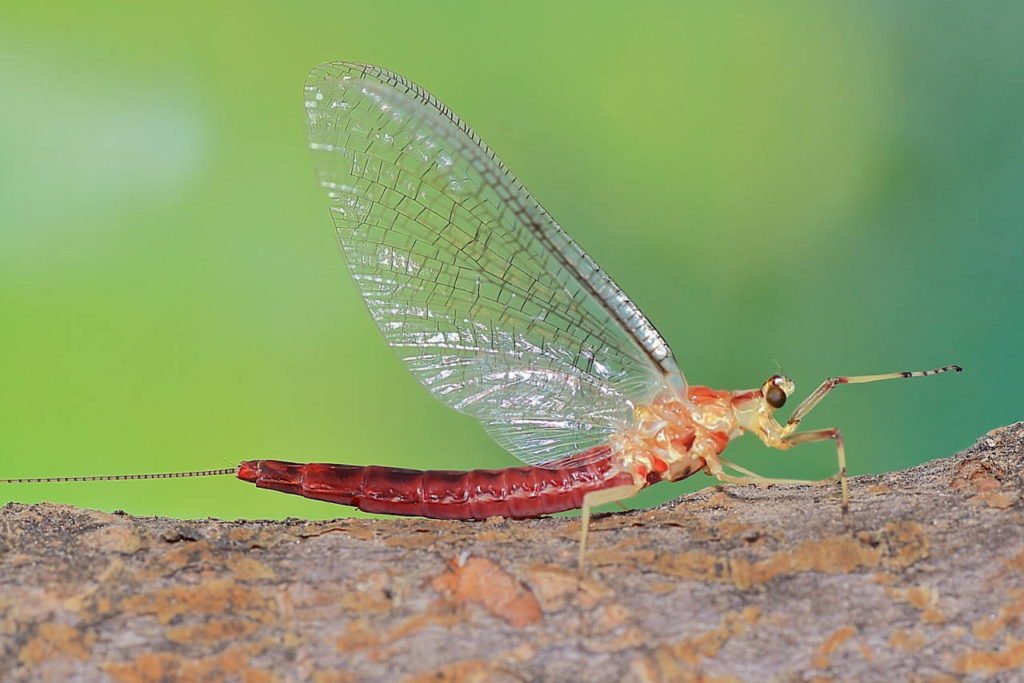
(832, 382)
(594, 499)
(823, 435)
(752, 477)
(788, 442)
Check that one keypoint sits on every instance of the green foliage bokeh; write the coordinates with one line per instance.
(832, 186)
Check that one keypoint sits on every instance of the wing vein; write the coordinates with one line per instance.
(493, 307)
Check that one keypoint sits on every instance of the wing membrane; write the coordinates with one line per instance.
(489, 302)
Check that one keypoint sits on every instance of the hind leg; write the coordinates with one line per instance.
(594, 499)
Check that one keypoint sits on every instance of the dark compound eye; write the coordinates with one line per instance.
(775, 396)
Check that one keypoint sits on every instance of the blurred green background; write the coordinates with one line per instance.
(834, 186)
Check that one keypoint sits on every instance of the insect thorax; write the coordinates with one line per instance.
(671, 439)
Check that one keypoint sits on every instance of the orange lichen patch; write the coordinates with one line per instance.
(879, 489)
(333, 677)
(244, 567)
(708, 644)
(181, 556)
(115, 539)
(675, 662)
(680, 675)
(691, 565)
(362, 532)
(624, 639)
(823, 656)
(468, 671)
(884, 578)
(1015, 563)
(90, 603)
(571, 530)
(907, 640)
(500, 669)
(314, 529)
(662, 587)
(632, 543)
(906, 543)
(146, 668)
(483, 582)
(836, 555)
(212, 631)
(413, 540)
(52, 641)
(980, 483)
(694, 564)
(240, 534)
(1000, 500)
(14, 560)
(1009, 614)
(718, 500)
(610, 616)
(444, 619)
(553, 586)
(619, 554)
(258, 537)
(924, 598)
(898, 544)
(363, 602)
(941, 678)
(368, 594)
(231, 664)
(992, 661)
(219, 596)
(497, 535)
(866, 652)
(87, 599)
(247, 569)
(730, 528)
(362, 635)
(975, 476)
(359, 636)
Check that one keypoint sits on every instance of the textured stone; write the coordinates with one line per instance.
(923, 579)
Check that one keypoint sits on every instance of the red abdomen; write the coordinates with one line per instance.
(476, 494)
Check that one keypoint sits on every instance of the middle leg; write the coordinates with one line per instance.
(716, 469)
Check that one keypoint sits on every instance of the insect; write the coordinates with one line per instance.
(502, 316)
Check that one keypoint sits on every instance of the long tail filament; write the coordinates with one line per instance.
(122, 477)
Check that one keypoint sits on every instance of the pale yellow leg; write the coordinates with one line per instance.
(769, 481)
(832, 382)
(593, 500)
(758, 479)
(808, 404)
(824, 435)
(788, 442)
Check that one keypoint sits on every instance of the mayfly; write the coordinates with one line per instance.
(502, 316)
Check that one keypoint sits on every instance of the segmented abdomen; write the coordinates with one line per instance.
(516, 492)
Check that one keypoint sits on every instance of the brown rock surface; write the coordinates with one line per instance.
(922, 580)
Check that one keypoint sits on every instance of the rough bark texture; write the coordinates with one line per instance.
(922, 580)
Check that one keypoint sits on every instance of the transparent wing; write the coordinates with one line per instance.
(490, 304)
